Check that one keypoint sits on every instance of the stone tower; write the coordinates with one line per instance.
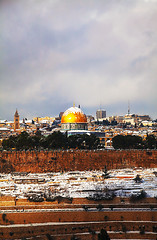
(16, 121)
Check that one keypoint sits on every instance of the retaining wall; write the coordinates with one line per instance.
(55, 161)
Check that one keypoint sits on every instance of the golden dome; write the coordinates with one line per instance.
(73, 115)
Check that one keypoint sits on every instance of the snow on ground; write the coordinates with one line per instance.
(79, 184)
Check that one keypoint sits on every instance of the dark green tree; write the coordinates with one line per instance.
(83, 141)
(10, 142)
(105, 174)
(106, 122)
(103, 235)
(55, 141)
(127, 142)
(24, 141)
(151, 142)
(118, 142)
(138, 179)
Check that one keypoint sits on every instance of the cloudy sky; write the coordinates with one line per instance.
(99, 54)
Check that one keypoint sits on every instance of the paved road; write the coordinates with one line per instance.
(79, 210)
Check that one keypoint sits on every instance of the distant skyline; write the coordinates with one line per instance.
(94, 53)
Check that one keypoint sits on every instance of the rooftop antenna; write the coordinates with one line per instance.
(128, 107)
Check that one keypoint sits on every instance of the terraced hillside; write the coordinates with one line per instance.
(82, 219)
(84, 205)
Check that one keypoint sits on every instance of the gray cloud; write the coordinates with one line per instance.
(56, 52)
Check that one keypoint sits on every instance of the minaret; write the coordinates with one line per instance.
(16, 121)
(128, 107)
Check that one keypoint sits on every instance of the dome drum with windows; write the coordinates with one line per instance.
(74, 119)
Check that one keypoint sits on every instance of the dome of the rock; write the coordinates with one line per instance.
(74, 118)
(73, 115)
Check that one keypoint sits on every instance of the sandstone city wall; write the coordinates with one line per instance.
(71, 160)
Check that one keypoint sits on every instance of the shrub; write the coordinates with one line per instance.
(138, 196)
(138, 179)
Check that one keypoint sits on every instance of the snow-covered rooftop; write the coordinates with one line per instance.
(4, 129)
